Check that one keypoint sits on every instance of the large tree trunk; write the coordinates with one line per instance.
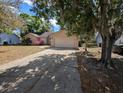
(85, 47)
(103, 28)
(103, 54)
(108, 54)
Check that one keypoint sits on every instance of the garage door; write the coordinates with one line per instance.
(65, 42)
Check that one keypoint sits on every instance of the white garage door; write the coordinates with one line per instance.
(65, 42)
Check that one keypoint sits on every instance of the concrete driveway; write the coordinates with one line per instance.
(49, 71)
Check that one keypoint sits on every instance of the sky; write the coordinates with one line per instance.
(25, 8)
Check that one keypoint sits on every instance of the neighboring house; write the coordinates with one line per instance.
(10, 39)
(46, 37)
(35, 39)
(98, 39)
(119, 41)
(61, 39)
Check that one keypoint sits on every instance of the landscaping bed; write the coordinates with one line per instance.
(95, 78)
(10, 53)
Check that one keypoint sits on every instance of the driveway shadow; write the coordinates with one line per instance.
(46, 74)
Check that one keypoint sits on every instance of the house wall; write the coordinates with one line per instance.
(33, 38)
(49, 39)
(10, 39)
(98, 39)
(44, 40)
(60, 39)
(119, 41)
(46, 37)
(14, 39)
(4, 38)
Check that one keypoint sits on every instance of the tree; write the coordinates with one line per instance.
(110, 26)
(8, 18)
(35, 24)
(84, 17)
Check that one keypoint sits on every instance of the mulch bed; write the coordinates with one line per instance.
(95, 78)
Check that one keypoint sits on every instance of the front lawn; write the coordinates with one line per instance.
(10, 53)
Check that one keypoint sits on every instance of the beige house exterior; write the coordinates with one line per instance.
(46, 37)
(35, 39)
(61, 39)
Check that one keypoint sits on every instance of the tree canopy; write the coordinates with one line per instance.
(35, 24)
(9, 18)
(84, 17)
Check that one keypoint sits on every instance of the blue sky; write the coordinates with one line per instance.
(55, 28)
(25, 8)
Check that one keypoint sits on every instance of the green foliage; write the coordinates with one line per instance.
(70, 17)
(26, 41)
(83, 17)
(35, 24)
(8, 19)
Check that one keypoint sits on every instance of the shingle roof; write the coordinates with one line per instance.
(46, 34)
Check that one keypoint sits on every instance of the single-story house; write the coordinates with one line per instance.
(35, 39)
(119, 41)
(10, 39)
(61, 39)
(46, 37)
(98, 39)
